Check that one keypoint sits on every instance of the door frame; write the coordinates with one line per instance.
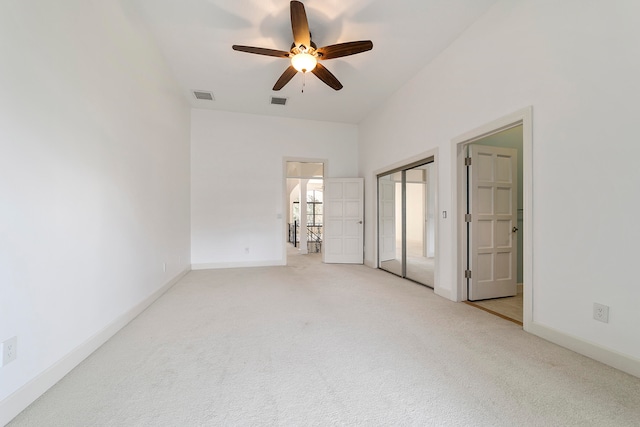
(459, 188)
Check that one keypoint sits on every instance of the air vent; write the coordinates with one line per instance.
(278, 101)
(203, 95)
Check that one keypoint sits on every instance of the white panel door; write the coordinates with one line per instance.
(343, 221)
(493, 207)
(387, 218)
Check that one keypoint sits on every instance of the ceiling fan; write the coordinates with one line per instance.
(304, 53)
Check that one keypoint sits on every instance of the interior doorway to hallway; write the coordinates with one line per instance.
(304, 211)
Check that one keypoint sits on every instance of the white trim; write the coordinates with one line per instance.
(239, 264)
(623, 362)
(434, 152)
(437, 289)
(409, 160)
(527, 218)
(443, 292)
(19, 400)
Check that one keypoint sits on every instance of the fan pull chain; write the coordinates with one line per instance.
(304, 81)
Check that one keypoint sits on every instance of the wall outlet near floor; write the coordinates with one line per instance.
(601, 312)
(9, 350)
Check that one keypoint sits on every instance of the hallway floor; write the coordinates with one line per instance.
(509, 308)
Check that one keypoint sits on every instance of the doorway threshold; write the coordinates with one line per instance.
(495, 313)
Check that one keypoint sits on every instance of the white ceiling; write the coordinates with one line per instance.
(196, 38)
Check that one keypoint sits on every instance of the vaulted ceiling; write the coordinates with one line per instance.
(196, 36)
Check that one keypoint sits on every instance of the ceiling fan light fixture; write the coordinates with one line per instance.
(304, 62)
(304, 53)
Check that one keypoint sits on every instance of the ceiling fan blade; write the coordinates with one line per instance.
(285, 78)
(261, 51)
(344, 49)
(300, 25)
(325, 75)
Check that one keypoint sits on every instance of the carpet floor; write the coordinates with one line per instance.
(311, 344)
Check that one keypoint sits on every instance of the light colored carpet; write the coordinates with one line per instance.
(315, 345)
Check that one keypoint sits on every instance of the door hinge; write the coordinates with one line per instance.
(467, 217)
(467, 161)
(467, 274)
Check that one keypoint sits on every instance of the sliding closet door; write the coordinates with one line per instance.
(390, 223)
(406, 222)
(420, 236)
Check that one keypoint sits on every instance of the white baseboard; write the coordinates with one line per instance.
(217, 265)
(444, 293)
(28, 393)
(623, 362)
(370, 263)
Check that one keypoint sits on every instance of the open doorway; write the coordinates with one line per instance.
(495, 224)
(304, 212)
(493, 228)
(308, 240)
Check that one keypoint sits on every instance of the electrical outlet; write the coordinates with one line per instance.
(9, 350)
(601, 312)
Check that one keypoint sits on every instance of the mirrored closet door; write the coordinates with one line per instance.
(406, 222)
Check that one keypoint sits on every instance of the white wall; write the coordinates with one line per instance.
(576, 62)
(94, 178)
(238, 190)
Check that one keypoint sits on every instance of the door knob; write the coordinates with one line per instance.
(514, 229)
(359, 222)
